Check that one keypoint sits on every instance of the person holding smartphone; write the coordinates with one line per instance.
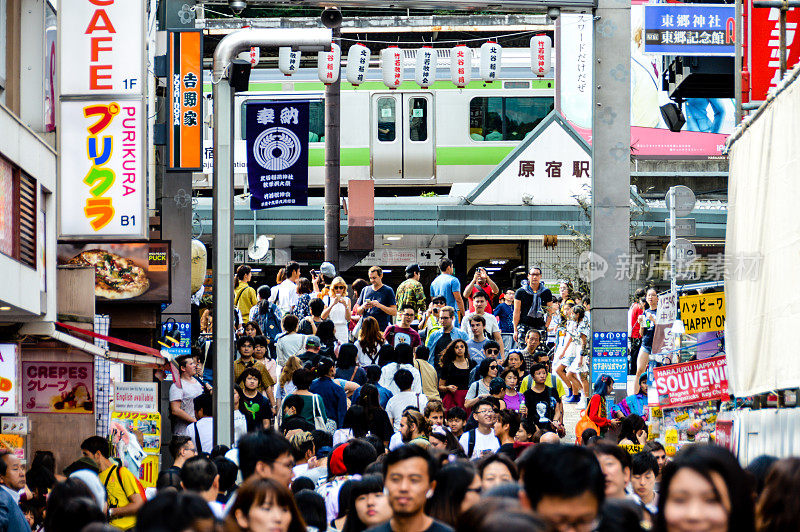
(481, 283)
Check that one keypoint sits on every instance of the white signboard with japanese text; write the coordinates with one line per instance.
(101, 47)
(575, 68)
(102, 174)
(552, 166)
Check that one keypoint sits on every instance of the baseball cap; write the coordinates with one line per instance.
(413, 268)
(327, 269)
(313, 341)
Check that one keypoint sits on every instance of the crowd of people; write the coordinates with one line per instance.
(363, 407)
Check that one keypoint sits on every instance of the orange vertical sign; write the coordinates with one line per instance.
(185, 119)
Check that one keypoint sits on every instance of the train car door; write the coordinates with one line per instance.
(402, 142)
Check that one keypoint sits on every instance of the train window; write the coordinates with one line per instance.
(387, 119)
(316, 119)
(418, 119)
(498, 118)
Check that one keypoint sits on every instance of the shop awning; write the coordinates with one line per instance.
(144, 356)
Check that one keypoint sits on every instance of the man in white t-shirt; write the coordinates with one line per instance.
(202, 431)
(181, 400)
(287, 290)
(491, 328)
(400, 401)
(481, 441)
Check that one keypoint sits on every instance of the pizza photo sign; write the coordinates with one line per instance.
(130, 271)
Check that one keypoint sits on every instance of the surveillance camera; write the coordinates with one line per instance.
(237, 6)
(553, 13)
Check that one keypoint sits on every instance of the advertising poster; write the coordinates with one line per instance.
(709, 121)
(102, 170)
(277, 153)
(14, 444)
(57, 387)
(691, 382)
(690, 29)
(135, 397)
(8, 379)
(609, 356)
(136, 440)
(666, 314)
(135, 271)
(764, 45)
(689, 424)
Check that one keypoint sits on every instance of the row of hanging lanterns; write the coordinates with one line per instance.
(392, 68)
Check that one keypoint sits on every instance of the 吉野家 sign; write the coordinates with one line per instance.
(703, 312)
(689, 29)
(609, 356)
(691, 382)
(8, 378)
(277, 153)
(135, 397)
(57, 387)
(101, 48)
(102, 170)
(185, 84)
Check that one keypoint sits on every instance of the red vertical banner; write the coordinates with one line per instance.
(764, 51)
(185, 118)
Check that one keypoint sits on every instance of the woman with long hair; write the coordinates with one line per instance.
(338, 309)
(632, 430)
(244, 295)
(647, 324)
(571, 358)
(370, 340)
(377, 418)
(369, 505)
(326, 332)
(346, 366)
(454, 369)
(705, 488)
(487, 370)
(596, 410)
(443, 440)
(285, 385)
(776, 510)
(264, 504)
(458, 488)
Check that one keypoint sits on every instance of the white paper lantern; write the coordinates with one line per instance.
(540, 55)
(425, 69)
(392, 66)
(288, 61)
(357, 64)
(329, 64)
(253, 55)
(461, 65)
(491, 55)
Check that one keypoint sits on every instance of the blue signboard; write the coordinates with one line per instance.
(689, 29)
(277, 153)
(176, 331)
(610, 357)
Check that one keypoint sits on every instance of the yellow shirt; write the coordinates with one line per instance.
(527, 382)
(246, 300)
(118, 495)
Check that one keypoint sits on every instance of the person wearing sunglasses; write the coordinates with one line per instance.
(487, 370)
(338, 309)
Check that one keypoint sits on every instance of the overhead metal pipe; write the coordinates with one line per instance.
(223, 232)
(231, 45)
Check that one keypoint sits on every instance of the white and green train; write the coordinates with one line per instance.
(436, 136)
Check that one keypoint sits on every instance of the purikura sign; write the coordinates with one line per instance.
(691, 382)
(101, 47)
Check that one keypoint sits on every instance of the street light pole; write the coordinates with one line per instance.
(223, 94)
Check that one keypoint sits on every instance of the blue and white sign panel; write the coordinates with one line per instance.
(277, 153)
(689, 29)
(610, 357)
